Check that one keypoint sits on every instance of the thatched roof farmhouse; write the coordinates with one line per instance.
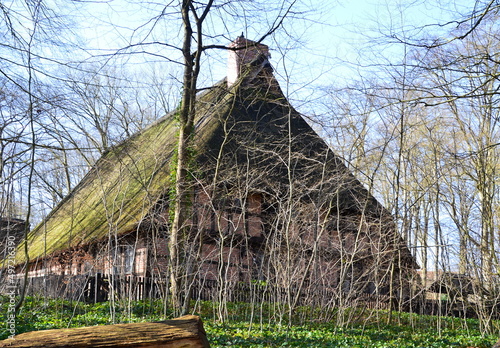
(270, 200)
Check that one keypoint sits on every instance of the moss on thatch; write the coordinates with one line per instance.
(122, 187)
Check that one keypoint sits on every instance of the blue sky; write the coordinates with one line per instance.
(328, 43)
(331, 34)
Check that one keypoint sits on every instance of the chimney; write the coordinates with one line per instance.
(246, 57)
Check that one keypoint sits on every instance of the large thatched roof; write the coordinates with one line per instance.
(254, 123)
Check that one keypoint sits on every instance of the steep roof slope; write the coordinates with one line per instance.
(250, 124)
(123, 185)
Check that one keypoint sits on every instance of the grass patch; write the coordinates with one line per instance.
(365, 328)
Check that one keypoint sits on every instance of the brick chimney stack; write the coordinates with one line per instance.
(248, 58)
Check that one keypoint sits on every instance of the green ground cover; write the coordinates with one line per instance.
(364, 329)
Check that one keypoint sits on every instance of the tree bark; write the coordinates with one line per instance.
(185, 332)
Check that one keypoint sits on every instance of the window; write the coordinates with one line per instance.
(128, 259)
(124, 262)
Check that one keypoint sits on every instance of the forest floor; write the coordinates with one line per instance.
(260, 326)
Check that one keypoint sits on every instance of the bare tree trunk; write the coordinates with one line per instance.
(187, 113)
(31, 116)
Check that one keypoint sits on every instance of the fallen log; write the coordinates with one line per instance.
(183, 332)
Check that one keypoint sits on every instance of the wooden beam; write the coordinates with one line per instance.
(185, 332)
